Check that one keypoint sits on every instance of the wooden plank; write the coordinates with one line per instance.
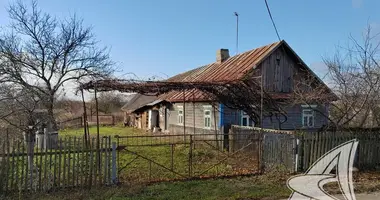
(77, 148)
(96, 167)
(69, 146)
(13, 166)
(6, 167)
(60, 163)
(91, 165)
(99, 162)
(109, 159)
(376, 149)
(2, 188)
(306, 152)
(56, 151)
(87, 169)
(26, 172)
(17, 167)
(64, 163)
(319, 146)
(104, 145)
(74, 174)
(3, 167)
(39, 164)
(45, 170)
(83, 161)
(313, 150)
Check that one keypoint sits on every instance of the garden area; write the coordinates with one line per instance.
(147, 157)
(161, 167)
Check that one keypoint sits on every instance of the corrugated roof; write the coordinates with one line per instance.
(137, 102)
(233, 68)
(154, 102)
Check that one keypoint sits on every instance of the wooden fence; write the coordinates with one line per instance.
(103, 120)
(77, 122)
(279, 150)
(24, 167)
(71, 123)
(297, 151)
(313, 145)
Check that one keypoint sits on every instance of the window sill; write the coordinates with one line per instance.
(307, 127)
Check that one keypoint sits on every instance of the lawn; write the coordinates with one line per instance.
(167, 158)
(269, 186)
(103, 131)
(254, 187)
(138, 171)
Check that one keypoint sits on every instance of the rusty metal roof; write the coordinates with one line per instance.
(234, 68)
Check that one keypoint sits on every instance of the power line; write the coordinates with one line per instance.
(270, 15)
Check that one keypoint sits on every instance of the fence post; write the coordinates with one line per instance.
(296, 152)
(190, 156)
(114, 172)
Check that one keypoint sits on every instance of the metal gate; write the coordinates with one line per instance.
(151, 158)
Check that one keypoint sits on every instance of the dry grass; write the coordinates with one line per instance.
(252, 187)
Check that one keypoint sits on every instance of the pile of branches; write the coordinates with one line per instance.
(242, 95)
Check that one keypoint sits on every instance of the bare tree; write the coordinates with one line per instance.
(41, 53)
(18, 107)
(354, 75)
(109, 102)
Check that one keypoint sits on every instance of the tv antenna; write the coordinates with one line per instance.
(237, 32)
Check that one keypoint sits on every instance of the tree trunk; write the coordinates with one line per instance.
(50, 109)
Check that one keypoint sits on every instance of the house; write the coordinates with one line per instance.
(280, 68)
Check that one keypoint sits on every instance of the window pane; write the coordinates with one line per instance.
(244, 121)
(311, 119)
(207, 112)
(304, 121)
(207, 122)
(180, 112)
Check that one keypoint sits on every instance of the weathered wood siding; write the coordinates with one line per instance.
(278, 69)
(193, 117)
(294, 118)
(230, 116)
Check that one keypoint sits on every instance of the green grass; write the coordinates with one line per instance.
(158, 162)
(238, 188)
(138, 171)
(255, 187)
(103, 131)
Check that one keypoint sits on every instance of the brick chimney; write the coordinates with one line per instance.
(222, 55)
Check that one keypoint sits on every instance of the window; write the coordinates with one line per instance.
(308, 117)
(207, 116)
(180, 114)
(245, 120)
